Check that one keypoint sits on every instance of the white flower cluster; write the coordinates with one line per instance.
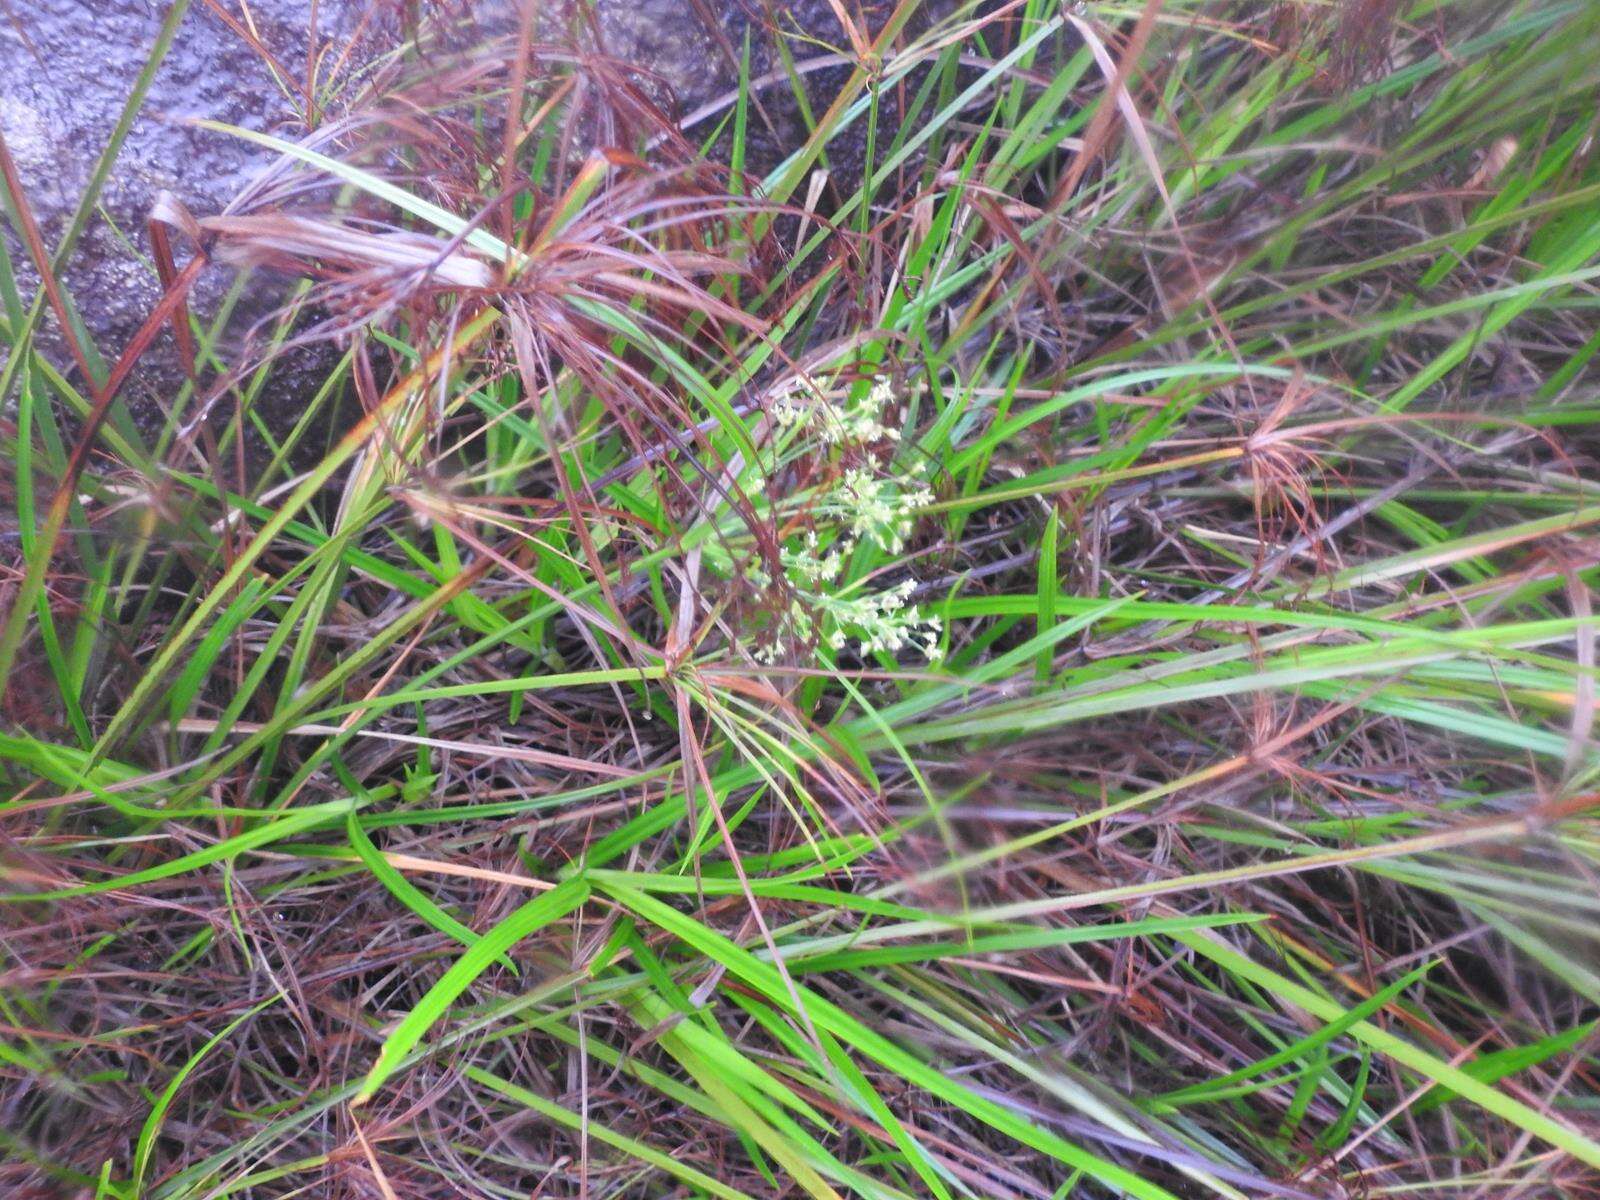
(884, 621)
(880, 509)
(875, 621)
(858, 423)
(873, 505)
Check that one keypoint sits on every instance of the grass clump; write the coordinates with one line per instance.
(1067, 672)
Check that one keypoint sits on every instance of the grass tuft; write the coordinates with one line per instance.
(1040, 645)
